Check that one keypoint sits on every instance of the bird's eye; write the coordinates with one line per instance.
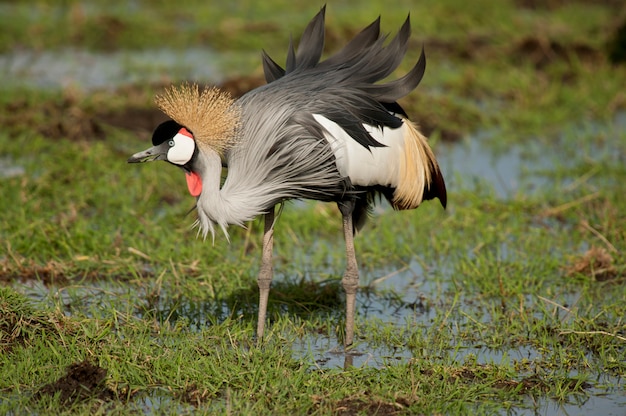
(171, 143)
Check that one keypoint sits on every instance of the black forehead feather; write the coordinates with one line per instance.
(165, 131)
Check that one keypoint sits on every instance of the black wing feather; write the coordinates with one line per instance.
(311, 43)
(271, 69)
(344, 88)
(394, 90)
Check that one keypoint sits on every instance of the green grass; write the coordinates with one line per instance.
(496, 304)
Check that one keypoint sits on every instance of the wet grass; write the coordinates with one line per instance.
(503, 303)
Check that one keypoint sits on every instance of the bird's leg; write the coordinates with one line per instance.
(350, 279)
(266, 272)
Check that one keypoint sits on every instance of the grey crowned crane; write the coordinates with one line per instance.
(321, 130)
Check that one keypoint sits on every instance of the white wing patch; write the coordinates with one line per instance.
(376, 166)
(406, 163)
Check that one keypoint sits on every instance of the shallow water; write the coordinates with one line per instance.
(480, 161)
(9, 169)
(584, 406)
(581, 405)
(471, 163)
(96, 70)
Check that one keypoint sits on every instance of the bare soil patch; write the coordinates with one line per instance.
(81, 381)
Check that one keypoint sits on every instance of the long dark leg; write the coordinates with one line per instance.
(266, 272)
(350, 279)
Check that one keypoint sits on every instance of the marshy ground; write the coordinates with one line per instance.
(510, 301)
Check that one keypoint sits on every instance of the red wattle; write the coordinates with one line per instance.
(194, 183)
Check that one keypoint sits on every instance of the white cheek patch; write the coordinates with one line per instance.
(183, 149)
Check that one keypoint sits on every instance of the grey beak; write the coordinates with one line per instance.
(149, 155)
